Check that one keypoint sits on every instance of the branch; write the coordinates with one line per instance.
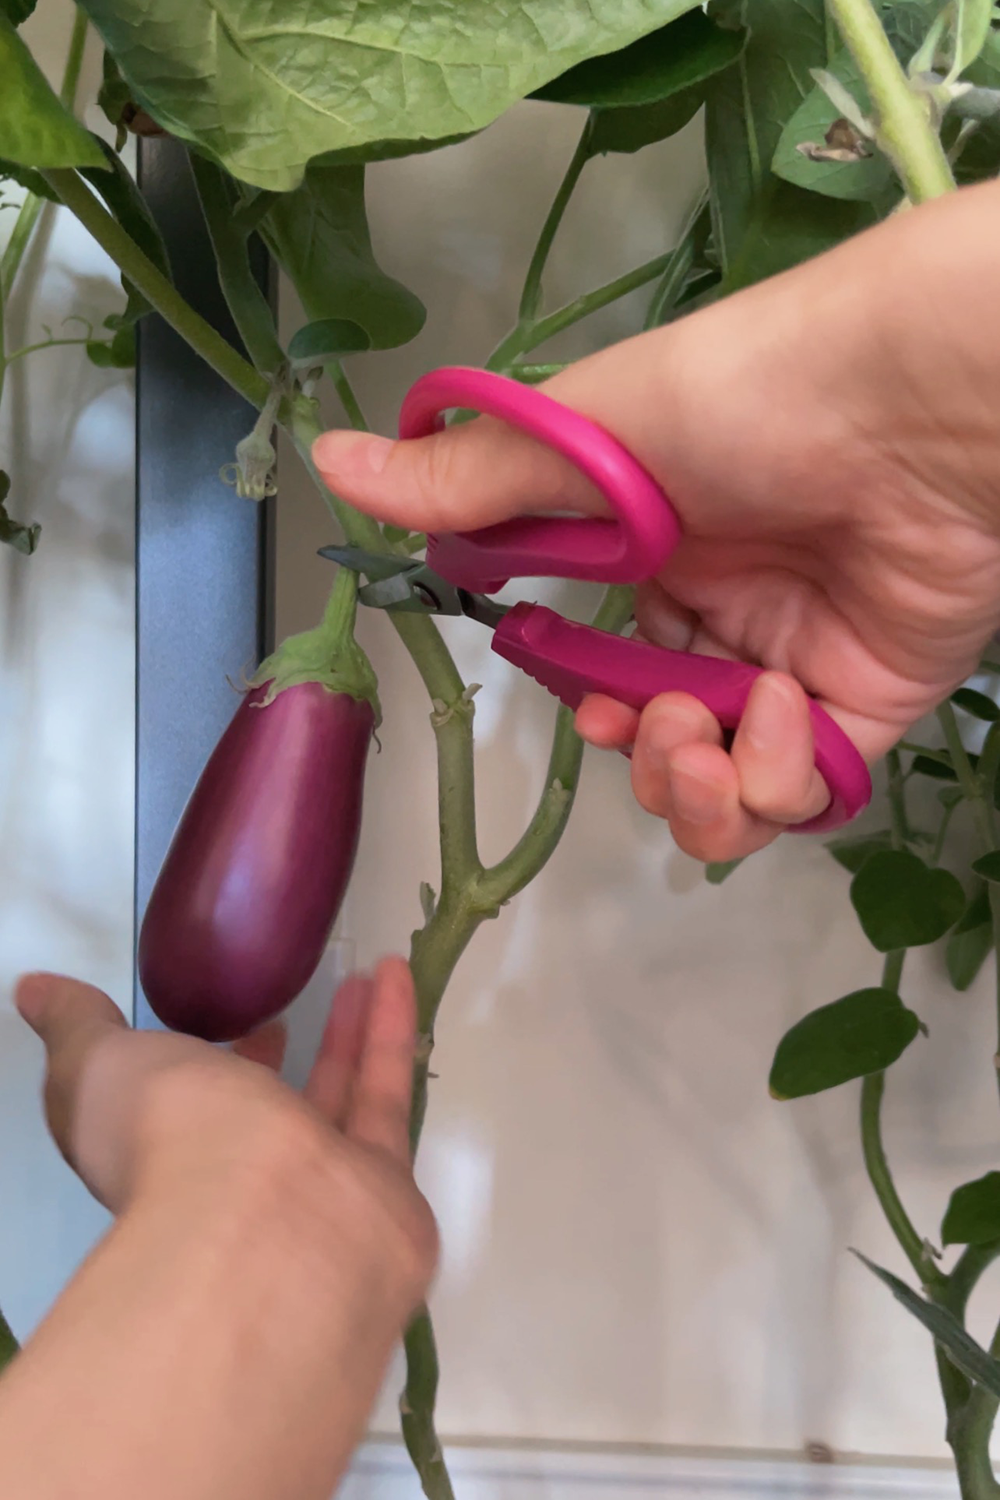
(158, 291)
(244, 298)
(903, 127)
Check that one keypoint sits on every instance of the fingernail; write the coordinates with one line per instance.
(695, 799)
(348, 455)
(769, 719)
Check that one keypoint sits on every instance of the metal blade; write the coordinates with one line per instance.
(373, 564)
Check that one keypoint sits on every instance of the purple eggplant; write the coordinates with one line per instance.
(254, 878)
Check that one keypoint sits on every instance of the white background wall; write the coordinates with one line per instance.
(640, 1246)
(66, 706)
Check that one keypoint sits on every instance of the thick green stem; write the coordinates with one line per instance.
(531, 295)
(903, 127)
(159, 292)
(416, 1409)
(244, 298)
(523, 339)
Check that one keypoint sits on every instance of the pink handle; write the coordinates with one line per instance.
(626, 550)
(573, 660)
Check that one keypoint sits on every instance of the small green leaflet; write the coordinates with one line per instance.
(988, 866)
(901, 903)
(852, 853)
(328, 339)
(628, 130)
(961, 1348)
(263, 92)
(22, 538)
(35, 128)
(862, 172)
(715, 874)
(971, 940)
(973, 1213)
(977, 704)
(859, 1034)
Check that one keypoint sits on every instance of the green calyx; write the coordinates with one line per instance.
(328, 654)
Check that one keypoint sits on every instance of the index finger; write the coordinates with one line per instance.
(379, 1113)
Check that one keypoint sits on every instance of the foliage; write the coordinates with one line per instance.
(810, 136)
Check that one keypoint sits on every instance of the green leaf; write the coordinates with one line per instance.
(852, 853)
(973, 1213)
(390, 150)
(961, 1348)
(965, 954)
(627, 130)
(35, 128)
(32, 182)
(117, 353)
(988, 866)
(263, 91)
(867, 178)
(859, 1034)
(971, 29)
(976, 704)
(315, 343)
(319, 236)
(22, 538)
(761, 224)
(715, 874)
(901, 903)
(17, 11)
(977, 911)
(970, 942)
(666, 62)
(114, 97)
(124, 201)
(936, 765)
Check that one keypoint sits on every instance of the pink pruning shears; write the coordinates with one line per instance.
(569, 659)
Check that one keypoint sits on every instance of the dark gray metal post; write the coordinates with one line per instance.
(204, 558)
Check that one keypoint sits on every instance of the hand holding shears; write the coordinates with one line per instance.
(573, 661)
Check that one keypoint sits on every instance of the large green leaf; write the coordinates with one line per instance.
(761, 224)
(31, 181)
(859, 1034)
(265, 88)
(319, 235)
(667, 62)
(961, 1348)
(866, 177)
(36, 130)
(902, 903)
(973, 1213)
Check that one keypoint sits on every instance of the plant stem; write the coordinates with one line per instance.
(873, 1087)
(32, 206)
(679, 265)
(244, 298)
(159, 292)
(543, 833)
(531, 294)
(348, 399)
(904, 130)
(43, 344)
(416, 1407)
(523, 339)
